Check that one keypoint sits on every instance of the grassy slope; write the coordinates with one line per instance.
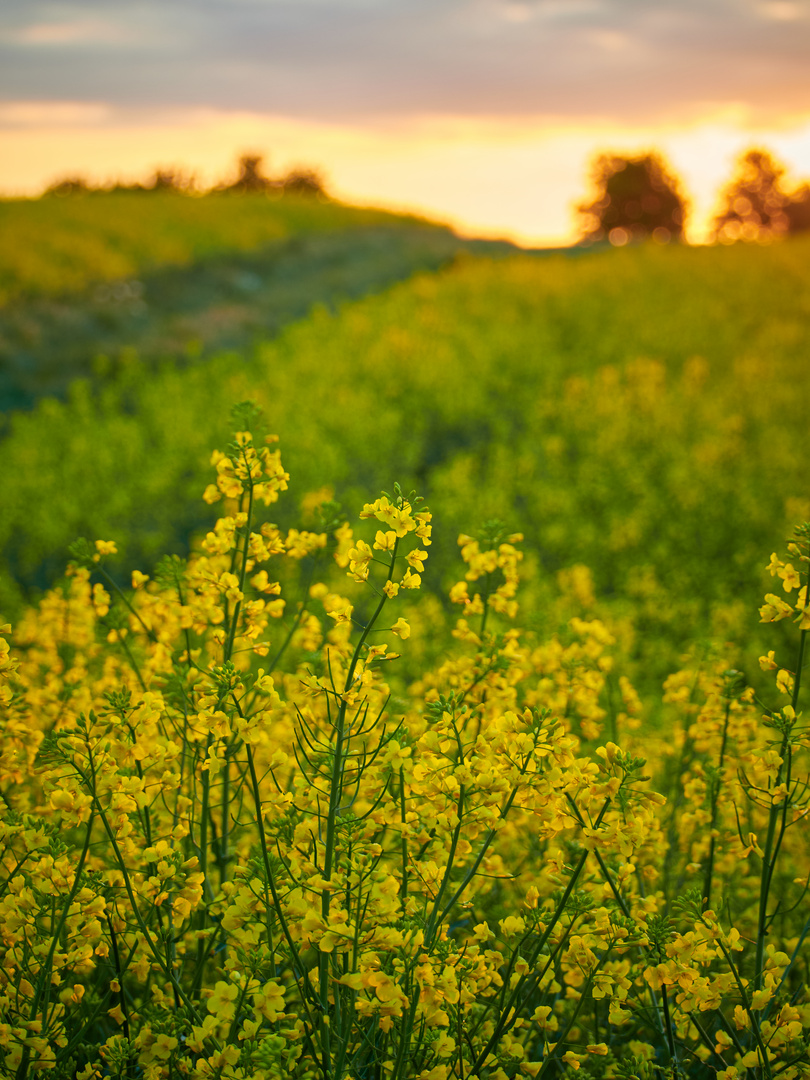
(54, 245)
(641, 411)
(225, 301)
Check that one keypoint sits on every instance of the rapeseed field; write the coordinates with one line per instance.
(439, 711)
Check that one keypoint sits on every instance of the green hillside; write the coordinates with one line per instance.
(54, 244)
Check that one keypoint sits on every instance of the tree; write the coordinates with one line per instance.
(636, 198)
(250, 176)
(303, 180)
(69, 185)
(754, 205)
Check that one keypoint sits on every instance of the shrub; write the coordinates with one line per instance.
(235, 845)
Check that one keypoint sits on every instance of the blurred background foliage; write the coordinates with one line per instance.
(640, 412)
(635, 198)
(756, 205)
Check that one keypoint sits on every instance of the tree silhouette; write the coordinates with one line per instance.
(636, 198)
(754, 205)
(303, 180)
(250, 176)
(69, 185)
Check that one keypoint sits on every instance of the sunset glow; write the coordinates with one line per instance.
(521, 180)
(483, 113)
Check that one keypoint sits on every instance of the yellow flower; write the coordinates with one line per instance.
(117, 1014)
(803, 609)
(416, 559)
(340, 610)
(270, 1001)
(741, 1018)
(164, 1046)
(402, 629)
(360, 557)
(343, 535)
(459, 594)
(750, 1060)
(411, 580)
(511, 925)
(722, 1041)
(774, 609)
(775, 565)
(101, 600)
(760, 998)
(784, 682)
(790, 579)
(222, 1002)
(384, 541)
(299, 544)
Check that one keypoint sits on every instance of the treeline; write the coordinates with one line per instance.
(636, 198)
(633, 198)
(300, 180)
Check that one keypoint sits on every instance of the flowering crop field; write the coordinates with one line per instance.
(640, 413)
(500, 771)
(234, 846)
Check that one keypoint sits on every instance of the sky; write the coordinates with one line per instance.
(484, 113)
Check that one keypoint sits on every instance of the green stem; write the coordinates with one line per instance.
(554, 1056)
(479, 857)
(707, 878)
(132, 662)
(763, 1053)
(202, 848)
(673, 1057)
(797, 680)
(119, 974)
(117, 588)
(271, 881)
(506, 1018)
(159, 958)
(228, 650)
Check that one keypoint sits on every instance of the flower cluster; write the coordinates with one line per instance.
(233, 846)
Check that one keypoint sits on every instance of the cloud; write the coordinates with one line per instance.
(783, 10)
(374, 61)
(64, 33)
